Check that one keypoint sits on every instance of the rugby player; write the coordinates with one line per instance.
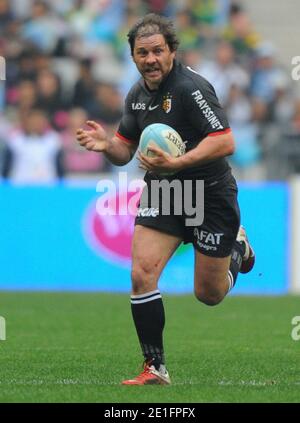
(173, 94)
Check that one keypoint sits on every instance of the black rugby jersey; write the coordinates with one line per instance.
(188, 103)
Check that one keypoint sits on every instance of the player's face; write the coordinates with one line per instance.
(153, 59)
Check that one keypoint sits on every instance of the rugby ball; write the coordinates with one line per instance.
(164, 137)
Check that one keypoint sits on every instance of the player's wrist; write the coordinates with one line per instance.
(179, 163)
(107, 146)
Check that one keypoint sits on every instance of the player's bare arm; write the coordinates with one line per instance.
(95, 139)
(211, 148)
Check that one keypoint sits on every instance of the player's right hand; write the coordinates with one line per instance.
(94, 139)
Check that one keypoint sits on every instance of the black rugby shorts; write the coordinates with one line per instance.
(216, 235)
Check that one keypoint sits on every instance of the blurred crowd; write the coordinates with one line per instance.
(68, 60)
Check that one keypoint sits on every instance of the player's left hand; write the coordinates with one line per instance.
(162, 162)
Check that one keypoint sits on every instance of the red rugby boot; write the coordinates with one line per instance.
(150, 376)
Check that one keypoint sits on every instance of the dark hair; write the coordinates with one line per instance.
(235, 9)
(153, 24)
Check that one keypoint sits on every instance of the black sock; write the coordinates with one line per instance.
(236, 261)
(149, 319)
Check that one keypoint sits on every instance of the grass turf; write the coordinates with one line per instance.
(68, 347)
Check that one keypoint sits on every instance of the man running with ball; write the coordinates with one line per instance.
(175, 95)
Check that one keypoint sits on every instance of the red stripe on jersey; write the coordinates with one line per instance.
(124, 138)
(225, 131)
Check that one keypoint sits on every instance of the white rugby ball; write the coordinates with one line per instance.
(164, 137)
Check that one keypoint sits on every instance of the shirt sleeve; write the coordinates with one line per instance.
(128, 128)
(203, 109)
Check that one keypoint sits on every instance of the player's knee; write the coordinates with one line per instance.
(142, 278)
(208, 297)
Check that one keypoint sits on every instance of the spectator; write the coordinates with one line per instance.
(187, 31)
(289, 150)
(49, 95)
(43, 29)
(240, 33)
(84, 86)
(61, 7)
(223, 72)
(24, 98)
(106, 105)
(238, 106)
(35, 151)
(22, 9)
(222, 10)
(284, 106)
(247, 156)
(191, 57)
(204, 11)
(109, 16)
(80, 18)
(295, 121)
(266, 74)
(6, 16)
(76, 159)
(161, 7)
(130, 73)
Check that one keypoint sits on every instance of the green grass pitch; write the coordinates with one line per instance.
(69, 347)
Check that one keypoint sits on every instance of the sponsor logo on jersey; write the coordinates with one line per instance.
(138, 106)
(167, 103)
(207, 240)
(153, 107)
(148, 212)
(208, 113)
